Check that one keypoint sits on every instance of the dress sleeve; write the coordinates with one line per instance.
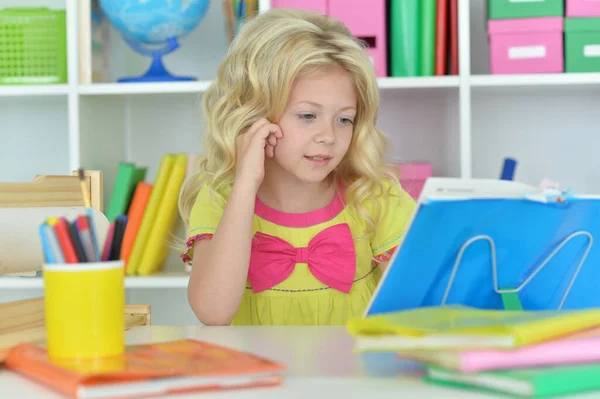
(204, 219)
(396, 211)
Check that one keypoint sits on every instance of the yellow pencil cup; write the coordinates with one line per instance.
(85, 310)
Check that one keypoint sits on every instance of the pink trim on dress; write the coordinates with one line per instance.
(305, 219)
(185, 257)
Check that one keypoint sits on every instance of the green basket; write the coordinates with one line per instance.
(33, 46)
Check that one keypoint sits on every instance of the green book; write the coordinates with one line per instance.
(428, 33)
(405, 22)
(128, 176)
(536, 382)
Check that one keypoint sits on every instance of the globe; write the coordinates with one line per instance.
(153, 27)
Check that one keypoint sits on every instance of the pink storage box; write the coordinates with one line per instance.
(306, 5)
(412, 177)
(527, 45)
(367, 21)
(582, 8)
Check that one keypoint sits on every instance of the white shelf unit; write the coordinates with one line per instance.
(464, 125)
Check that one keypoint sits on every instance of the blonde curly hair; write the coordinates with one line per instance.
(254, 81)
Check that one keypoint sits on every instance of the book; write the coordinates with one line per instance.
(428, 37)
(441, 38)
(538, 382)
(453, 37)
(461, 327)
(578, 348)
(405, 22)
(157, 248)
(128, 176)
(150, 214)
(135, 215)
(148, 370)
(479, 242)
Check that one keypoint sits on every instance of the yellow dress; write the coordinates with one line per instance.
(302, 291)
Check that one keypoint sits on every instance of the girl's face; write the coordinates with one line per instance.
(317, 125)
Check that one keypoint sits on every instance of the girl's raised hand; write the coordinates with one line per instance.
(251, 147)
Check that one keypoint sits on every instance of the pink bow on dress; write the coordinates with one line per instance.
(330, 256)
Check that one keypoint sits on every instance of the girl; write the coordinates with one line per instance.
(294, 214)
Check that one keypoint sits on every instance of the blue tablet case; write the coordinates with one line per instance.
(479, 251)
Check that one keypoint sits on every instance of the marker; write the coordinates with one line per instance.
(508, 169)
(85, 234)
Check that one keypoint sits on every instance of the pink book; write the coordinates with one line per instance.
(582, 347)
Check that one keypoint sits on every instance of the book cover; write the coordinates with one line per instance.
(461, 327)
(453, 37)
(536, 382)
(405, 22)
(441, 38)
(428, 37)
(148, 370)
(128, 176)
(152, 209)
(578, 348)
(135, 215)
(157, 246)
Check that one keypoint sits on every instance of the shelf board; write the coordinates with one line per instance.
(556, 79)
(34, 90)
(143, 88)
(418, 82)
(158, 280)
(201, 86)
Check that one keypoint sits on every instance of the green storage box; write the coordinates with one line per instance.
(508, 9)
(582, 45)
(33, 46)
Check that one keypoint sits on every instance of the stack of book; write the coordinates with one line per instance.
(142, 214)
(517, 353)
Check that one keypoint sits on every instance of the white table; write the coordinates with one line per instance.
(320, 364)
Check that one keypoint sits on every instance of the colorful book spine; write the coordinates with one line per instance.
(441, 38)
(453, 42)
(135, 216)
(152, 210)
(128, 176)
(428, 36)
(157, 247)
(404, 41)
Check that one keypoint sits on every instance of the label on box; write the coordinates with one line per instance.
(526, 52)
(591, 50)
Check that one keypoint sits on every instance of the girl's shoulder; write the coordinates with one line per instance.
(389, 194)
(207, 188)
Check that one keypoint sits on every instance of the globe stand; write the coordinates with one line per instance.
(157, 71)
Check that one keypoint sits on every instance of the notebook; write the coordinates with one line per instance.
(461, 327)
(578, 348)
(405, 28)
(157, 246)
(539, 382)
(134, 218)
(148, 370)
(128, 176)
(476, 242)
(151, 212)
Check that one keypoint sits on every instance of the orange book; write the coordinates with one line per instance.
(441, 43)
(148, 370)
(134, 217)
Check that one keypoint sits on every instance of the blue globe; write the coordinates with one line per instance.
(154, 21)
